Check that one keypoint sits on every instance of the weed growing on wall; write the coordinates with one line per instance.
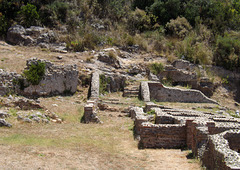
(104, 81)
(35, 73)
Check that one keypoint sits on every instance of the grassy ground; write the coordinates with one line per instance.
(73, 145)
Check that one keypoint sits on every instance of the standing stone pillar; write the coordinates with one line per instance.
(95, 86)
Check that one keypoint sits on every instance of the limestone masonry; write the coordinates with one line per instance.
(57, 80)
(157, 91)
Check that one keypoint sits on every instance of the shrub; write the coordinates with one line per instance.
(89, 41)
(130, 41)
(35, 73)
(138, 20)
(227, 52)
(166, 10)
(28, 15)
(60, 10)
(179, 27)
(195, 52)
(47, 16)
(3, 25)
(77, 46)
(104, 81)
(142, 4)
(156, 68)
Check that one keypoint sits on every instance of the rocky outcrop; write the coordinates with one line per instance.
(16, 35)
(184, 65)
(35, 35)
(182, 72)
(56, 81)
(110, 58)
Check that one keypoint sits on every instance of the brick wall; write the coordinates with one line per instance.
(162, 136)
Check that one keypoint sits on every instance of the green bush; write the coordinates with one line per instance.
(104, 81)
(166, 10)
(35, 73)
(142, 4)
(3, 25)
(227, 52)
(28, 15)
(88, 42)
(138, 20)
(156, 68)
(130, 41)
(179, 27)
(195, 48)
(47, 16)
(60, 9)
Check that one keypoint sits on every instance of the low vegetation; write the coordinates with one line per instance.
(35, 73)
(204, 32)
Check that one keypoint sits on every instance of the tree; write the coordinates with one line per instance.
(28, 15)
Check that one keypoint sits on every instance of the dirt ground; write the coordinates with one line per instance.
(79, 146)
(74, 145)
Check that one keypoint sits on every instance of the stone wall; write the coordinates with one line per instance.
(156, 91)
(91, 107)
(56, 81)
(162, 136)
(219, 155)
(206, 134)
(8, 82)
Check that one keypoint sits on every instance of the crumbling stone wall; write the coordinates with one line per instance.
(56, 81)
(219, 155)
(91, 107)
(208, 135)
(162, 136)
(90, 112)
(169, 94)
(8, 82)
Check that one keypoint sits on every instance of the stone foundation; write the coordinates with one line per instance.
(157, 91)
(91, 107)
(213, 138)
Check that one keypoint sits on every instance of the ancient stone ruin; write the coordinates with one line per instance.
(57, 80)
(90, 109)
(157, 91)
(213, 138)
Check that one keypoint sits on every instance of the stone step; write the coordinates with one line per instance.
(110, 99)
(131, 92)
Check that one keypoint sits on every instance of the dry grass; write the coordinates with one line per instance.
(73, 145)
